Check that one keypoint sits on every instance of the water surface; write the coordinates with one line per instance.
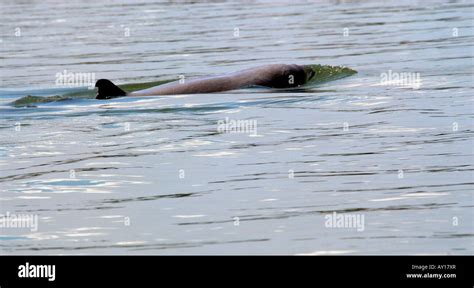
(153, 175)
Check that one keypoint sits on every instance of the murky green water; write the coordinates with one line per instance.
(156, 175)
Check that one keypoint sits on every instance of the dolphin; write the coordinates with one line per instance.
(272, 76)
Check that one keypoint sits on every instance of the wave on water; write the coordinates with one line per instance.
(323, 74)
(327, 73)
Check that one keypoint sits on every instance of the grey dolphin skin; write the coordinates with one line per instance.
(273, 76)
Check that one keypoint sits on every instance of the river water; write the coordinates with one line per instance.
(157, 175)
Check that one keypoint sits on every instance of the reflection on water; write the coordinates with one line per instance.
(156, 175)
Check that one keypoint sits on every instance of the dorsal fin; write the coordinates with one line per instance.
(108, 90)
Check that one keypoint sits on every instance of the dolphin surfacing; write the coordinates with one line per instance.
(273, 76)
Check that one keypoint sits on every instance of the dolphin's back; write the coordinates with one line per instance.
(274, 76)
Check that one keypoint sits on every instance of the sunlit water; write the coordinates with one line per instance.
(155, 175)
